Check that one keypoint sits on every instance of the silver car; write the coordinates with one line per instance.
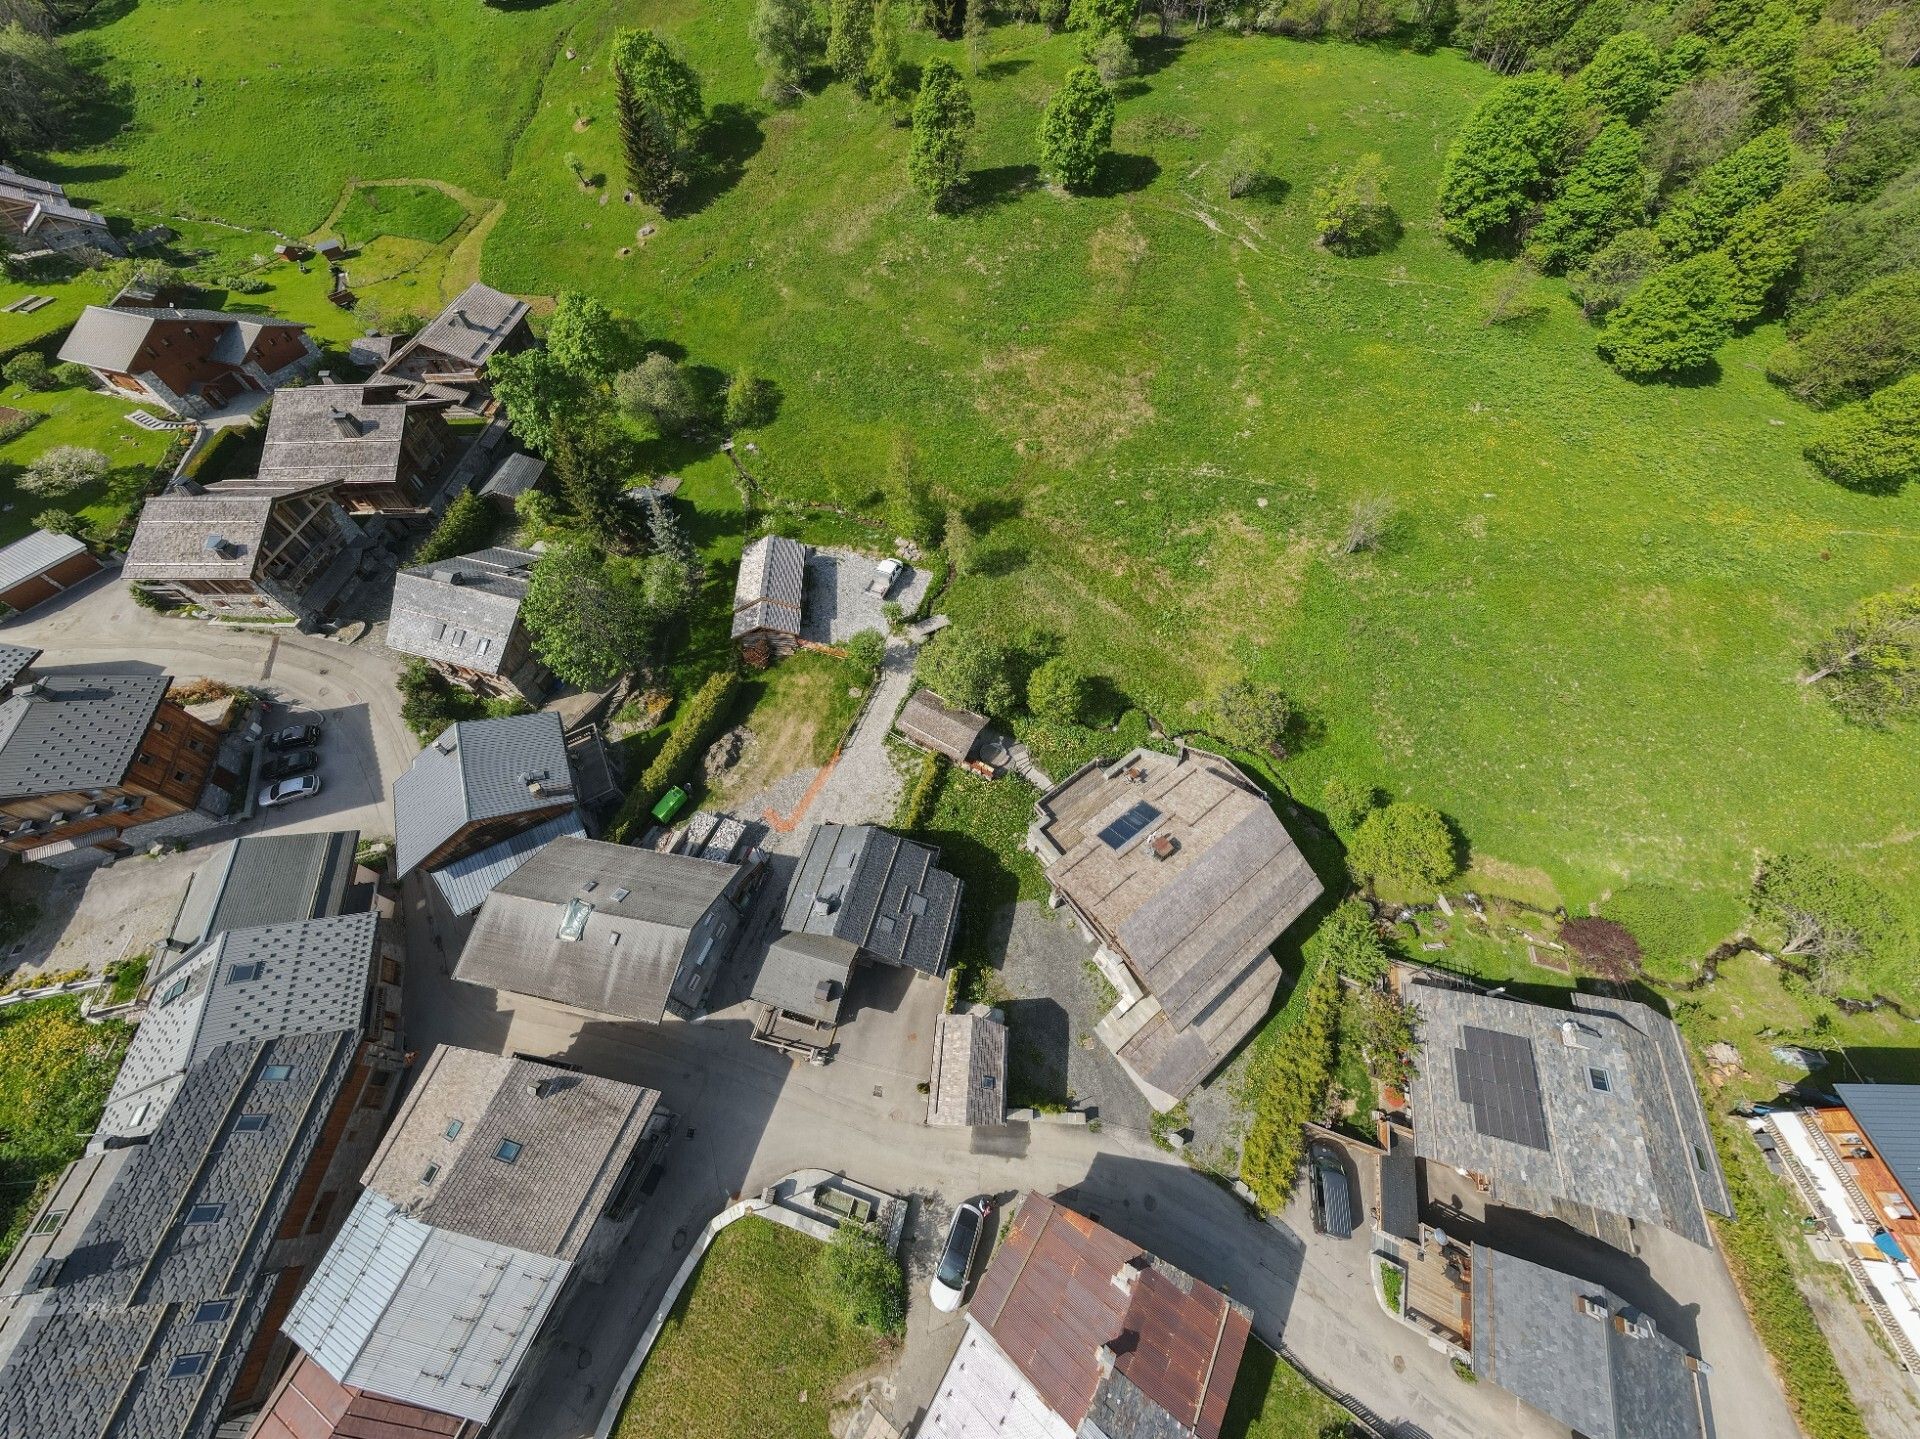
(949, 1287)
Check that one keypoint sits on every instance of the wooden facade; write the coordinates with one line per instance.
(37, 589)
(477, 835)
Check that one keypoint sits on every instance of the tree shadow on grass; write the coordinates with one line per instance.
(990, 514)
(100, 109)
(1124, 174)
(731, 137)
(999, 562)
(1002, 69)
(1000, 185)
(1156, 52)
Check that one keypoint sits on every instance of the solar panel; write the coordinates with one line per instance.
(1128, 825)
(1495, 1075)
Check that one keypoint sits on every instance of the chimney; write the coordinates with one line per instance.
(1164, 846)
(1106, 1355)
(215, 545)
(348, 425)
(460, 314)
(446, 577)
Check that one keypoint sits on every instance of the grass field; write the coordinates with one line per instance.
(746, 1350)
(798, 711)
(75, 417)
(405, 212)
(1581, 639)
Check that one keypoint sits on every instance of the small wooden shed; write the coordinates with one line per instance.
(930, 722)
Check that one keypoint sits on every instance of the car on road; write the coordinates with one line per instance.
(300, 761)
(286, 791)
(949, 1287)
(294, 736)
(1332, 1198)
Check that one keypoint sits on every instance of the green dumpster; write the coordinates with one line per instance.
(670, 804)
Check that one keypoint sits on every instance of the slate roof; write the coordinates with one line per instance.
(172, 540)
(969, 1081)
(454, 1255)
(514, 476)
(328, 433)
(1889, 1116)
(75, 731)
(575, 1132)
(35, 554)
(878, 891)
(1592, 1373)
(96, 1351)
(635, 913)
(1179, 865)
(1061, 1288)
(477, 770)
(245, 984)
(470, 329)
(262, 879)
(771, 588)
(797, 966)
(51, 198)
(461, 611)
(15, 661)
(466, 882)
(932, 723)
(1507, 1089)
(110, 339)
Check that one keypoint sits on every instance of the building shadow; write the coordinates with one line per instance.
(1042, 1034)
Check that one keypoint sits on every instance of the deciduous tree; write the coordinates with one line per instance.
(1351, 215)
(62, 470)
(1623, 78)
(1504, 157)
(586, 339)
(1674, 322)
(1869, 667)
(1409, 844)
(1076, 128)
(1060, 692)
(1852, 348)
(971, 670)
(657, 389)
(1602, 195)
(1765, 241)
(1703, 214)
(942, 134)
(850, 41)
(787, 41)
(38, 90)
(1615, 271)
(587, 618)
(1873, 444)
(1252, 715)
(657, 95)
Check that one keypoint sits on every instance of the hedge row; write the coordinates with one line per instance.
(917, 808)
(1287, 1087)
(467, 526)
(692, 733)
(942, 569)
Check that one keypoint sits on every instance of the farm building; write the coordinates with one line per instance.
(35, 569)
(969, 1081)
(512, 478)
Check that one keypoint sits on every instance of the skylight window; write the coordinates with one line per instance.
(573, 923)
(250, 1124)
(1600, 1080)
(453, 1129)
(508, 1152)
(173, 991)
(1128, 825)
(246, 973)
(430, 1173)
(206, 1213)
(188, 1366)
(275, 1073)
(213, 1311)
(621, 893)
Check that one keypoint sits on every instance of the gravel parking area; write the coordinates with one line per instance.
(838, 606)
(1055, 1002)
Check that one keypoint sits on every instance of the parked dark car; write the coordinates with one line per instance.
(294, 736)
(301, 761)
(1332, 1196)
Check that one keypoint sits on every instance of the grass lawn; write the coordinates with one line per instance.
(405, 212)
(746, 1350)
(55, 1071)
(798, 710)
(76, 417)
(1272, 1401)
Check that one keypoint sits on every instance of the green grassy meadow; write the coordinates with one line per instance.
(1581, 639)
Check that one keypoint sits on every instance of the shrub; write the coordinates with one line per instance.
(1869, 667)
(1607, 949)
(750, 402)
(1873, 445)
(429, 701)
(1253, 716)
(1246, 165)
(1060, 692)
(1351, 942)
(866, 650)
(1347, 803)
(18, 423)
(1408, 844)
(917, 808)
(245, 285)
(857, 1277)
(465, 527)
(28, 368)
(972, 671)
(59, 522)
(1867, 340)
(72, 376)
(1502, 159)
(1674, 927)
(63, 469)
(150, 599)
(1673, 323)
(1351, 215)
(1845, 930)
(1614, 272)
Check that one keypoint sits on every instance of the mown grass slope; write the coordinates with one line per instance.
(1581, 639)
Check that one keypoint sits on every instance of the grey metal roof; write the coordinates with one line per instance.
(1586, 1367)
(461, 611)
(35, 554)
(1400, 1186)
(806, 974)
(213, 536)
(74, 731)
(872, 888)
(1889, 1116)
(638, 917)
(262, 879)
(110, 338)
(95, 1350)
(465, 883)
(477, 770)
(575, 1133)
(332, 433)
(421, 1315)
(514, 476)
(1509, 1090)
(246, 984)
(471, 329)
(969, 1082)
(15, 660)
(770, 590)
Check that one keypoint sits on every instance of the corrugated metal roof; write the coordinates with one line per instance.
(465, 883)
(35, 554)
(15, 660)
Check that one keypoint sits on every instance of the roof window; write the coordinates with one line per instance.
(206, 1213)
(213, 1311)
(246, 973)
(188, 1366)
(277, 1072)
(453, 1129)
(250, 1124)
(508, 1152)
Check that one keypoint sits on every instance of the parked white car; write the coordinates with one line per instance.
(286, 791)
(885, 574)
(949, 1287)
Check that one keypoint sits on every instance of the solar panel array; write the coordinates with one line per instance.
(1495, 1074)
(1128, 825)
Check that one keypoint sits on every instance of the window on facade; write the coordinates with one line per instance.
(144, 758)
(277, 1072)
(180, 776)
(160, 726)
(508, 1151)
(206, 1213)
(213, 1311)
(1599, 1079)
(188, 1366)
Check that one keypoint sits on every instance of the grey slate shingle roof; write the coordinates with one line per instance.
(638, 915)
(514, 476)
(476, 770)
(171, 541)
(461, 611)
(1637, 1148)
(932, 723)
(795, 968)
(969, 1082)
(262, 879)
(35, 554)
(75, 731)
(771, 588)
(472, 328)
(877, 891)
(1889, 1116)
(312, 975)
(1532, 1339)
(96, 1348)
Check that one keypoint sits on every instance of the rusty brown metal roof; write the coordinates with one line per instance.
(1062, 1289)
